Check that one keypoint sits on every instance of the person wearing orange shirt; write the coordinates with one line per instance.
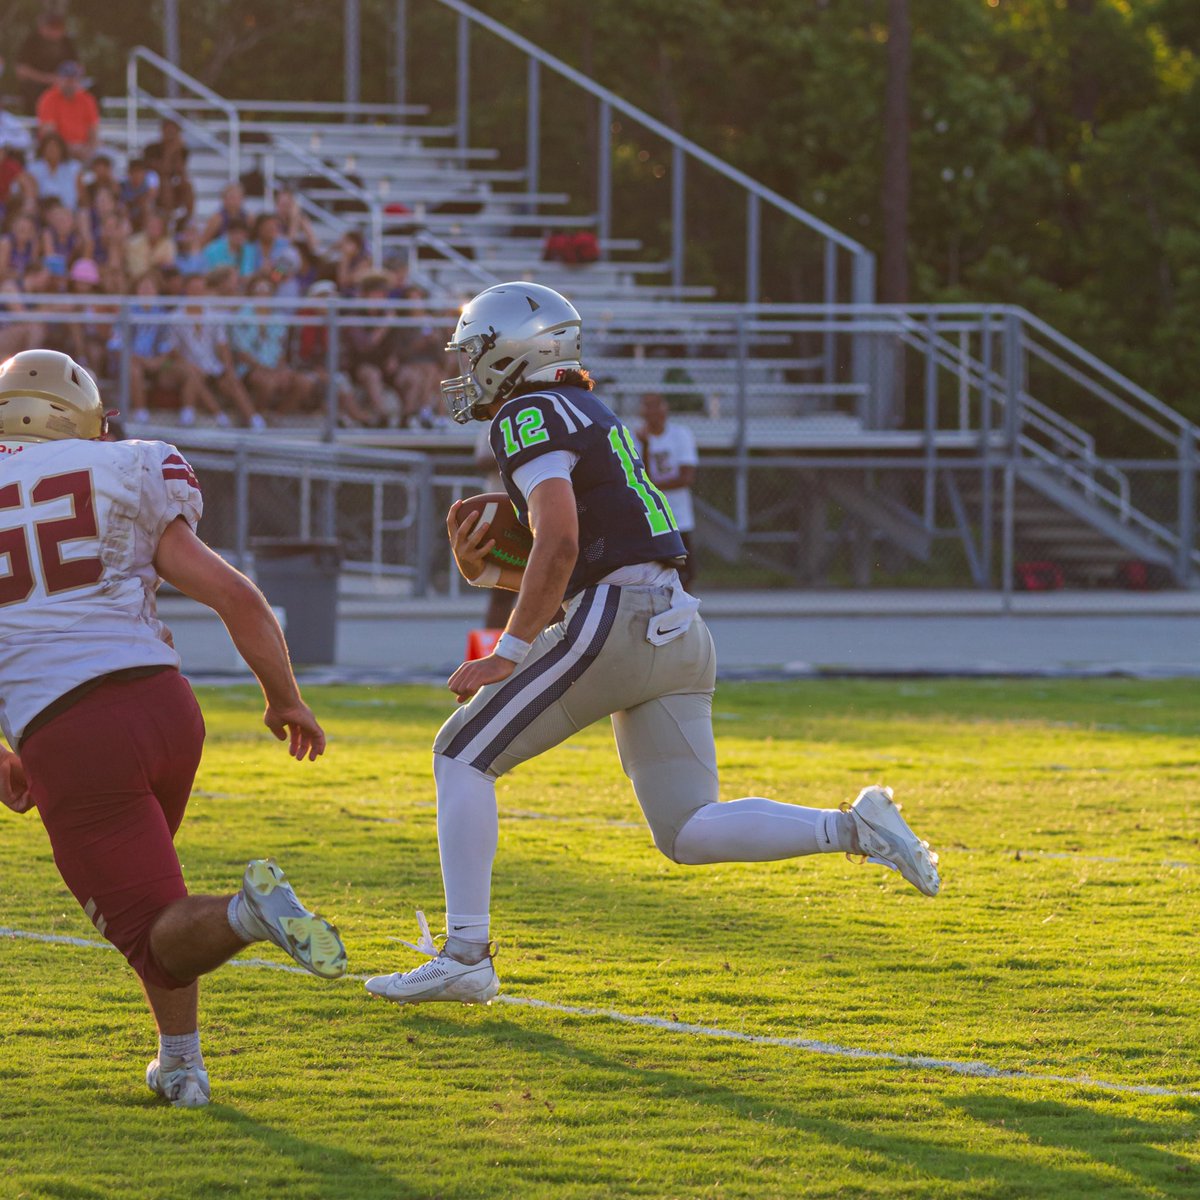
(70, 110)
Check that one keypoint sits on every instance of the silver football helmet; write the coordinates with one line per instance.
(511, 334)
(45, 396)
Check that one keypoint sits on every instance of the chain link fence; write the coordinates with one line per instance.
(838, 447)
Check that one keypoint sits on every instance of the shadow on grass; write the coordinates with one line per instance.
(903, 1152)
(1129, 1144)
(327, 1170)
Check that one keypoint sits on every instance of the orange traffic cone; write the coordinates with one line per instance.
(481, 642)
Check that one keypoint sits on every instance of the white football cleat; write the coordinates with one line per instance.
(885, 838)
(184, 1085)
(272, 910)
(442, 978)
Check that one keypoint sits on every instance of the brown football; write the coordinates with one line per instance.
(513, 540)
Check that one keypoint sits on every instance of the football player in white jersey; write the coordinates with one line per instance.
(107, 732)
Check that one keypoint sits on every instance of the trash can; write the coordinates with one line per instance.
(300, 575)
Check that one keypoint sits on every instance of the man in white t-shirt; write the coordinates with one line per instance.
(669, 452)
(107, 732)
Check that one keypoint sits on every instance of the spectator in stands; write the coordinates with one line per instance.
(395, 270)
(352, 261)
(669, 452)
(20, 246)
(62, 242)
(13, 134)
(284, 274)
(87, 337)
(204, 344)
(233, 208)
(224, 281)
(267, 242)
(295, 226)
(70, 110)
(169, 157)
(55, 174)
(138, 192)
(154, 367)
(41, 54)
(309, 354)
(152, 246)
(229, 248)
(259, 342)
(312, 268)
(420, 351)
(190, 257)
(109, 248)
(370, 353)
(15, 144)
(99, 177)
(113, 279)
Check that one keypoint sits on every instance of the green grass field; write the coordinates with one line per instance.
(1064, 946)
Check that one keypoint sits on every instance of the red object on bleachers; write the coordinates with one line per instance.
(481, 642)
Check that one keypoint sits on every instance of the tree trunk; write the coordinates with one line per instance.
(893, 274)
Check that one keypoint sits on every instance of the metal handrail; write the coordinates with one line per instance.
(319, 166)
(863, 282)
(333, 107)
(169, 69)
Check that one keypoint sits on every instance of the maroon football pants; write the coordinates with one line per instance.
(111, 778)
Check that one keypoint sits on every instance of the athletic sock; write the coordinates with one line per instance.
(241, 919)
(174, 1048)
(468, 928)
(758, 830)
(468, 832)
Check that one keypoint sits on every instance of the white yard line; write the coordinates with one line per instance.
(975, 1070)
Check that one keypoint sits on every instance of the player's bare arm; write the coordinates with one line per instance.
(470, 543)
(555, 525)
(184, 561)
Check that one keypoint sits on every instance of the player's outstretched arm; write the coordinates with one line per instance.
(184, 561)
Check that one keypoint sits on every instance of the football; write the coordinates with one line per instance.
(513, 540)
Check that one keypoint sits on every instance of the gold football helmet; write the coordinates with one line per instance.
(45, 396)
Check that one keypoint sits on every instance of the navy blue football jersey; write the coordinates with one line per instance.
(623, 518)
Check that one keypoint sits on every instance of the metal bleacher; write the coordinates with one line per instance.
(833, 423)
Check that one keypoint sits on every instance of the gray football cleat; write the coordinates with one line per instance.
(272, 911)
(443, 978)
(884, 837)
(184, 1085)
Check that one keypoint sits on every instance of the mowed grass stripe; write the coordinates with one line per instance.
(975, 1069)
(1059, 965)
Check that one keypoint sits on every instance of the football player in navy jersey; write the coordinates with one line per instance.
(601, 627)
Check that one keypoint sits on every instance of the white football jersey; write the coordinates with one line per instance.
(79, 524)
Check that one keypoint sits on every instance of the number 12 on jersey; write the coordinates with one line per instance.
(658, 509)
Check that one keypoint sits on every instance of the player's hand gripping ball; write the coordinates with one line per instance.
(511, 541)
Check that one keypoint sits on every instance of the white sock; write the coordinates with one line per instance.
(468, 832)
(472, 927)
(239, 917)
(758, 830)
(173, 1048)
